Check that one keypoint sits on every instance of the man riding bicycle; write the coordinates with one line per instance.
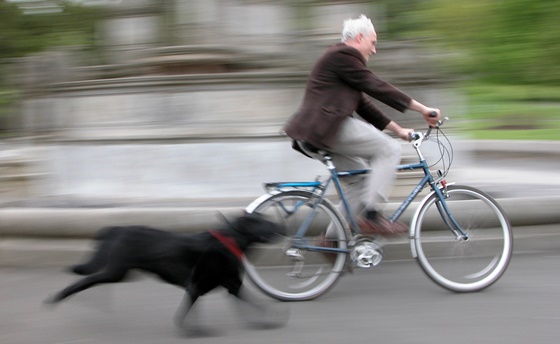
(337, 88)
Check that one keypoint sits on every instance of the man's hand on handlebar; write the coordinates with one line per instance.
(405, 133)
(432, 116)
(401, 132)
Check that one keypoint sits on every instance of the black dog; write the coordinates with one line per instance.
(197, 263)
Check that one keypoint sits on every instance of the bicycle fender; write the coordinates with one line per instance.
(253, 205)
(263, 198)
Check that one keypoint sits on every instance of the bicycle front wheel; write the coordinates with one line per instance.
(448, 259)
(290, 272)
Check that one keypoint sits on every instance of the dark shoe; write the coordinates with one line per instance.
(322, 241)
(381, 226)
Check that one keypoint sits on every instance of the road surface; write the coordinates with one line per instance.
(393, 303)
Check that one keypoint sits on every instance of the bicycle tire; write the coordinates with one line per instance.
(269, 266)
(459, 265)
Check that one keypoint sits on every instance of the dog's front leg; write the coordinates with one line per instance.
(184, 308)
(257, 313)
(247, 300)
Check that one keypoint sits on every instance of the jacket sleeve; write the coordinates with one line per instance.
(371, 113)
(353, 71)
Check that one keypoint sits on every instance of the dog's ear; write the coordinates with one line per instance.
(258, 226)
(244, 215)
(224, 219)
(242, 223)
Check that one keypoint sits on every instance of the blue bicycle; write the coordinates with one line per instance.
(459, 235)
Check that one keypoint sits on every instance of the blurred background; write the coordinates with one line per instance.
(124, 100)
(160, 112)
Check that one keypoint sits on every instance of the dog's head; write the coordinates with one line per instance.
(256, 228)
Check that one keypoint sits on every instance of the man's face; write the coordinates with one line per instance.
(367, 44)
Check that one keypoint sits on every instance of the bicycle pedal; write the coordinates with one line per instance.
(366, 254)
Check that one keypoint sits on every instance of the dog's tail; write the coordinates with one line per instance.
(99, 258)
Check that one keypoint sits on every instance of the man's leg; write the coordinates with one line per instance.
(360, 145)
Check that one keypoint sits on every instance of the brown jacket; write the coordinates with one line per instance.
(336, 88)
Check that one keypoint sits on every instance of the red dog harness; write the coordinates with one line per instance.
(229, 243)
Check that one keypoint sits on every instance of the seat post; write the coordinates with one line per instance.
(327, 158)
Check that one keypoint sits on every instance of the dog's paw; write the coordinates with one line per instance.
(51, 301)
(267, 316)
(199, 331)
(192, 328)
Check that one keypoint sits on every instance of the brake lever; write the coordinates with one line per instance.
(439, 123)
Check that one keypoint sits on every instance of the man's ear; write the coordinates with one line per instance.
(360, 37)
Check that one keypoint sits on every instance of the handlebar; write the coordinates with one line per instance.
(418, 136)
(444, 147)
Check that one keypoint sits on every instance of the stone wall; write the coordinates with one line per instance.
(195, 121)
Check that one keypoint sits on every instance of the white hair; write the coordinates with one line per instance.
(353, 27)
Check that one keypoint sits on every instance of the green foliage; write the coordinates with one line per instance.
(519, 93)
(403, 19)
(507, 48)
(522, 49)
(22, 34)
(513, 112)
(510, 41)
(7, 98)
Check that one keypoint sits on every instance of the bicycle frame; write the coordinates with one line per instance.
(334, 178)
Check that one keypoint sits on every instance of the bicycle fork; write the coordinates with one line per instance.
(445, 213)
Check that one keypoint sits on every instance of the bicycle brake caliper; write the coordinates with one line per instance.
(444, 188)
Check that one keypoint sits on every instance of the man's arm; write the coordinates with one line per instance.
(425, 111)
(403, 133)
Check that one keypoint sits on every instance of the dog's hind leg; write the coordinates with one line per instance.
(100, 258)
(96, 263)
(108, 276)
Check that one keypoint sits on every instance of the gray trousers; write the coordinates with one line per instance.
(360, 145)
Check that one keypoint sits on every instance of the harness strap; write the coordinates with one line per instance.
(228, 242)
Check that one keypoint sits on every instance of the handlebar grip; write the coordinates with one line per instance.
(433, 114)
(413, 136)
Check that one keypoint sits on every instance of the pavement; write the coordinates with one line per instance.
(522, 176)
(393, 303)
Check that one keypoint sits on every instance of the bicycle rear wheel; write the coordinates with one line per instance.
(295, 273)
(457, 264)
